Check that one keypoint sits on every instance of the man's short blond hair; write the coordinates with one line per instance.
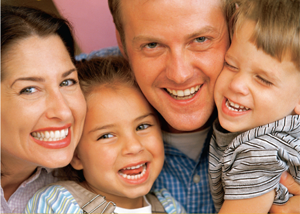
(116, 12)
(277, 29)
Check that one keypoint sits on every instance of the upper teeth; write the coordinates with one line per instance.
(134, 167)
(131, 177)
(234, 106)
(51, 135)
(183, 93)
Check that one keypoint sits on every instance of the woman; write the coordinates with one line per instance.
(42, 106)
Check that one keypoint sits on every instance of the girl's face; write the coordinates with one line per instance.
(121, 149)
(42, 106)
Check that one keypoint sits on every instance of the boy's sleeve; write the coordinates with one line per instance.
(53, 199)
(169, 203)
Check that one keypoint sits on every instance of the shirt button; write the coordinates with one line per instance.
(196, 179)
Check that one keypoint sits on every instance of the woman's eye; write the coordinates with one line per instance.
(28, 90)
(201, 39)
(266, 82)
(105, 136)
(151, 45)
(142, 127)
(68, 82)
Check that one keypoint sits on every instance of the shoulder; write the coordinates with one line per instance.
(52, 199)
(165, 198)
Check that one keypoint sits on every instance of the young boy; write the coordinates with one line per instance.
(258, 100)
(120, 153)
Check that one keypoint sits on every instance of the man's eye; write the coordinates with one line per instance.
(28, 90)
(201, 39)
(68, 82)
(142, 127)
(151, 45)
(105, 136)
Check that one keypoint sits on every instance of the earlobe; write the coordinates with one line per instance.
(120, 44)
(76, 162)
(297, 108)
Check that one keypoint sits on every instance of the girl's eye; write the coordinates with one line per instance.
(142, 127)
(68, 82)
(151, 45)
(201, 39)
(105, 136)
(266, 82)
(28, 90)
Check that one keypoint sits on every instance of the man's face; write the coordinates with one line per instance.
(176, 50)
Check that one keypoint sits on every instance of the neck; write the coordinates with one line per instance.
(13, 174)
(120, 201)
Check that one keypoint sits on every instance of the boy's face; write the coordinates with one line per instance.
(254, 88)
(121, 150)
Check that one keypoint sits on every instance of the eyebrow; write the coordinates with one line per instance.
(204, 30)
(112, 125)
(40, 79)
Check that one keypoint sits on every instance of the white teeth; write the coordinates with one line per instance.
(132, 177)
(51, 135)
(184, 94)
(235, 107)
(135, 167)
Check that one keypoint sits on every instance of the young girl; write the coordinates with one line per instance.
(120, 153)
(258, 93)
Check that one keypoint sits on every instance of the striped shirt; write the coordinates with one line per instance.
(251, 164)
(57, 199)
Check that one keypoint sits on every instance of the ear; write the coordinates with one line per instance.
(297, 108)
(120, 44)
(76, 162)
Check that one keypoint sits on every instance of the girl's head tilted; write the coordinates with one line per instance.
(259, 83)
(121, 149)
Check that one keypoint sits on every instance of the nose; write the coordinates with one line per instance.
(239, 84)
(58, 106)
(179, 69)
(132, 145)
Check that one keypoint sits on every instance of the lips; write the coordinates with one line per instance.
(136, 172)
(54, 139)
(184, 94)
(235, 107)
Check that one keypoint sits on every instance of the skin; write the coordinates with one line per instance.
(176, 53)
(164, 45)
(39, 86)
(267, 87)
(121, 130)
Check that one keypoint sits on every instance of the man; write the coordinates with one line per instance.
(176, 49)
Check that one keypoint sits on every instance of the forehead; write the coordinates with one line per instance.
(163, 16)
(36, 55)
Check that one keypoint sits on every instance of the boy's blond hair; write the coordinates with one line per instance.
(277, 29)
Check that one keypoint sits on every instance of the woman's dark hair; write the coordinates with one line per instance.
(21, 22)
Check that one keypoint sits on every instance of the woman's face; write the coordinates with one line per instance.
(42, 106)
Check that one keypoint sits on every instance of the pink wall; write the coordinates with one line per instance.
(92, 22)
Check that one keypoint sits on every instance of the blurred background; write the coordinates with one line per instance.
(92, 22)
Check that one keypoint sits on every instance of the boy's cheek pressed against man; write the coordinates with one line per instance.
(247, 90)
(176, 59)
(121, 150)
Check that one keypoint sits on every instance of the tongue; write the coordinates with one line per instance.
(132, 171)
